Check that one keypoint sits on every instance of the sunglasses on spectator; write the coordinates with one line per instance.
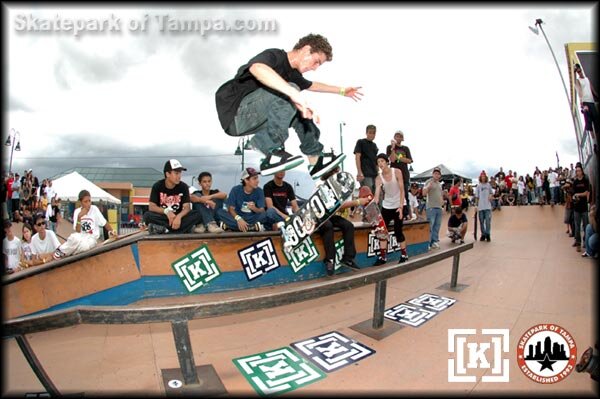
(40, 224)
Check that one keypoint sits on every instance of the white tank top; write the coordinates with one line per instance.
(391, 199)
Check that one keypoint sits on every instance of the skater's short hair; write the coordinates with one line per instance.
(371, 127)
(317, 43)
(458, 210)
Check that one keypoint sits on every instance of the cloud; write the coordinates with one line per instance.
(15, 105)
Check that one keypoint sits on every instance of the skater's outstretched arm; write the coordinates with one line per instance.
(352, 92)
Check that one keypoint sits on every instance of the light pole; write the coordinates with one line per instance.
(15, 145)
(243, 145)
(538, 24)
(342, 142)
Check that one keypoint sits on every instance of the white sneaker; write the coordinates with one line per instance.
(435, 245)
(213, 228)
(199, 229)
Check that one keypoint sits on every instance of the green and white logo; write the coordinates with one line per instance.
(301, 256)
(278, 371)
(196, 269)
(339, 253)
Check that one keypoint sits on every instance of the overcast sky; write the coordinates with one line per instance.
(471, 87)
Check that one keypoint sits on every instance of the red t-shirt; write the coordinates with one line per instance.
(454, 190)
(508, 181)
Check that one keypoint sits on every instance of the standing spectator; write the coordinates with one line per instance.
(169, 207)
(433, 191)
(457, 226)
(365, 154)
(208, 201)
(16, 197)
(587, 99)
(50, 193)
(44, 242)
(484, 194)
(390, 182)
(454, 194)
(521, 199)
(53, 214)
(500, 175)
(347, 229)
(496, 197)
(400, 157)
(10, 248)
(246, 206)
(9, 195)
(278, 193)
(554, 186)
(592, 242)
(581, 190)
(569, 220)
(87, 221)
(546, 187)
(537, 177)
(529, 189)
(509, 181)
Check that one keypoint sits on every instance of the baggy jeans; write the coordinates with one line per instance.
(269, 115)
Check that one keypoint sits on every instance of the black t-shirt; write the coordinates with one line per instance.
(500, 175)
(368, 156)
(403, 166)
(55, 213)
(453, 221)
(279, 195)
(173, 198)
(229, 96)
(580, 186)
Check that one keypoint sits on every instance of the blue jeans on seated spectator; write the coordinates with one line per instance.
(188, 222)
(592, 241)
(485, 222)
(434, 217)
(267, 218)
(496, 203)
(209, 215)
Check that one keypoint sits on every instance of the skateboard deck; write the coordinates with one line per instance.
(372, 214)
(322, 204)
(113, 239)
(475, 226)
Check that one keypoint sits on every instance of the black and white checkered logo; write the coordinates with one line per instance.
(259, 259)
(373, 246)
(332, 351)
(433, 302)
(408, 314)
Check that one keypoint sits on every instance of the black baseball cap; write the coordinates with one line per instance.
(173, 164)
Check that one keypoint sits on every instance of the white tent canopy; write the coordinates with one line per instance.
(68, 187)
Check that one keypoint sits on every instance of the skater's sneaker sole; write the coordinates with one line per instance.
(329, 167)
(290, 164)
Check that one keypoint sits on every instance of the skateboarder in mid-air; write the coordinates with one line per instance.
(264, 98)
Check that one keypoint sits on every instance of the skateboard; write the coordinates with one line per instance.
(120, 237)
(475, 227)
(321, 205)
(372, 214)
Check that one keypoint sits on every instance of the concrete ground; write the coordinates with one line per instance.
(527, 275)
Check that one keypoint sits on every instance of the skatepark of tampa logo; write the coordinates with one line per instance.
(546, 353)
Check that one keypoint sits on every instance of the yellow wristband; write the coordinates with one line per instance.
(342, 91)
